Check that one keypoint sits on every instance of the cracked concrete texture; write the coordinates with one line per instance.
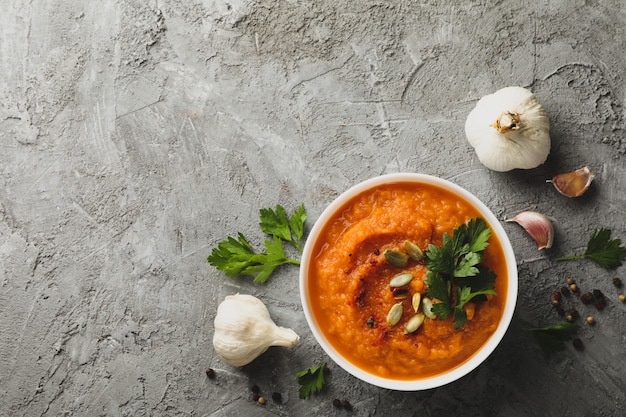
(137, 135)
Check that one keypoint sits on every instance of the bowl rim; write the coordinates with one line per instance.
(477, 358)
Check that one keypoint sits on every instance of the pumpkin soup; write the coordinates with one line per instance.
(351, 296)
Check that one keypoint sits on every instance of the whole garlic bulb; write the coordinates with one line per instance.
(509, 129)
(244, 330)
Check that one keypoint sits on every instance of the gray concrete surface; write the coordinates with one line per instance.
(138, 134)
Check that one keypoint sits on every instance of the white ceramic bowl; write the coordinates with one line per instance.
(439, 379)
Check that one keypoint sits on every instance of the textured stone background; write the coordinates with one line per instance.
(138, 134)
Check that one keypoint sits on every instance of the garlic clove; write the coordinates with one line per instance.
(573, 184)
(538, 226)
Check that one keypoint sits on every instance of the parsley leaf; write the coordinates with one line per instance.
(442, 259)
(439, 290)
(602, 249)
(237, 257)
(311, 380)
(276, 222)
(455, 275)
(463, 296)
(478, 234)
(552, 339)
(232, 256)
(269, 261)
(296, 222)
(467, 265)
(485, 279)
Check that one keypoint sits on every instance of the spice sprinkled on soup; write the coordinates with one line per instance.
(377, 288)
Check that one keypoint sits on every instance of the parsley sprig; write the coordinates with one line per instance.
(311, 380)
(551, 339)
(455, 275)
(276, 223)
(235, 256)
(602, 249)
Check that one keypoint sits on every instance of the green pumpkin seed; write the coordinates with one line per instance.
(427, 306)
(394, 315)
(401, 280)
(414, 323)
(415, 301)
(413, 251)
(396, 258)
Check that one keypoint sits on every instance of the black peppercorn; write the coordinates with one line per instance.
(210, 373)
(578, 344)
(255, 388)
(277, 397)
(346, 405)
(370, 322)
(617, 282)
(587, 298)
(600, 300)
(337, 403)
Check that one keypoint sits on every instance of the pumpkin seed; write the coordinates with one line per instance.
(413, 251)
(394, 315)
(415, 301)
(414, 323)
(401, 280)
(396, 258)
(427, 306)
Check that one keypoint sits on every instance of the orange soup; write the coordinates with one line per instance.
(349, 282)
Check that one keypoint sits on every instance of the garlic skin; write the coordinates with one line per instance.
(538, 226)
(573, 184)
(509, 129)
(244, 330)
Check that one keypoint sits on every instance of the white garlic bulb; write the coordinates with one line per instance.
(509, 129)
(244, 330)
